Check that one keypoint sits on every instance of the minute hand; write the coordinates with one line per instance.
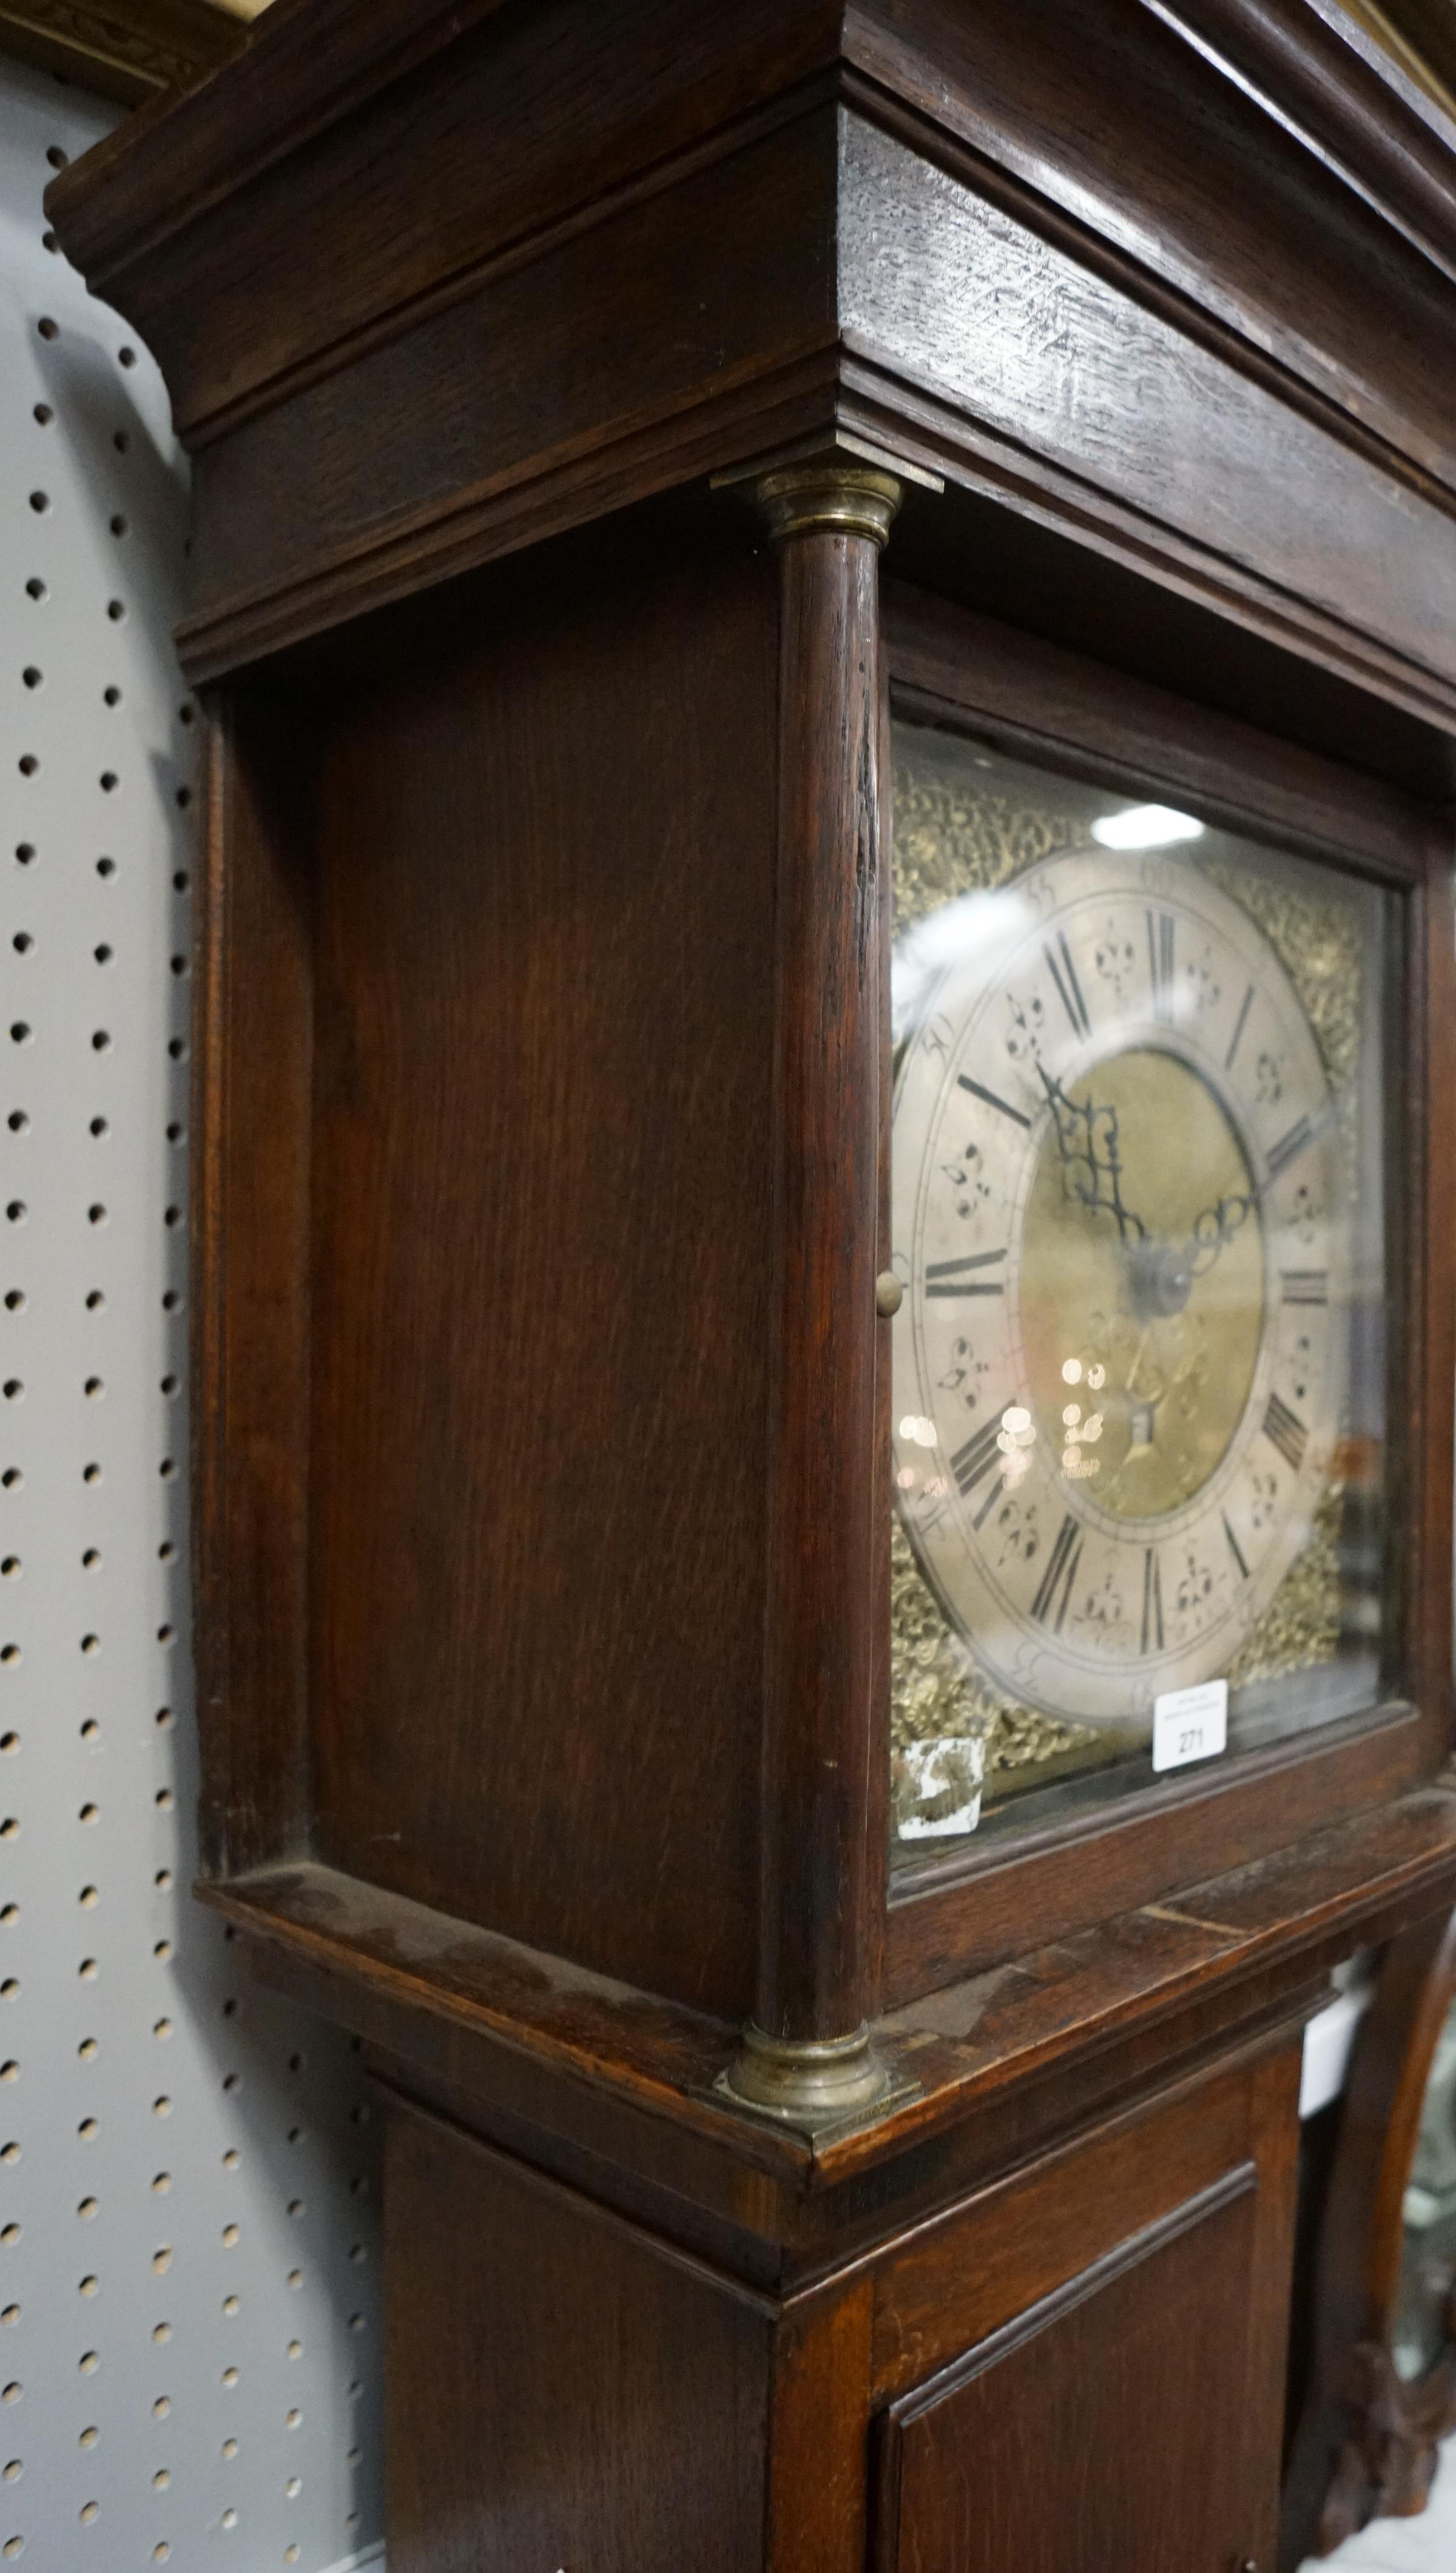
(1214, 1229)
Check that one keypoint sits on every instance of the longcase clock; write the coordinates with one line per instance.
(822, 1270)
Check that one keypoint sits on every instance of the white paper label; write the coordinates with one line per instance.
(1190, 1724)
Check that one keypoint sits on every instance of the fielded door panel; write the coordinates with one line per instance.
(1108, 2428)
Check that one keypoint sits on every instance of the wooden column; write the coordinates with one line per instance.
(807, 2056)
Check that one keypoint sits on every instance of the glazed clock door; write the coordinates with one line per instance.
(1138, 1219)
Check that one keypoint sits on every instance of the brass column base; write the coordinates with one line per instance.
(814, 2084)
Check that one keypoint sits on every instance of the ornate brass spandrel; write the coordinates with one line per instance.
(1317, 940)
(950, 841)
(937, 1694)
(1300, 1628)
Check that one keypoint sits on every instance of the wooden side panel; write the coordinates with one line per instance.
(542, 1285)
(560, 2390)
(1105, 2426)
(250, 1243)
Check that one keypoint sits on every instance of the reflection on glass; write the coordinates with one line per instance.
(1137, 1209)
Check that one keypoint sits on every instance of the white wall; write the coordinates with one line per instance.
(189, 2341)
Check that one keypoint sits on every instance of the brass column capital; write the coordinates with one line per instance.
(833, 495)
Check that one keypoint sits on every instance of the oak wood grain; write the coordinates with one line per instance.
(944, 291)
(619, 2417)
(1261, 1937)
(823, 1601)
(963, 2275)
(1029, 2436)
(951, 665)
(253, 1059)
(662, 149)
(541, 1263)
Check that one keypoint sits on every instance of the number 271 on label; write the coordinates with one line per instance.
(1190, 1724)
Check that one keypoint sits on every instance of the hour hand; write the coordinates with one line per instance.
(1091, 1158)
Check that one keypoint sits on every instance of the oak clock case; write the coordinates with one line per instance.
(1140, 1232)
(1012, 425)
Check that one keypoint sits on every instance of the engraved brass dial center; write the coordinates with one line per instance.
(1141, 1321)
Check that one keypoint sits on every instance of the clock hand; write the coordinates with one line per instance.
(1213, 1231)
(1160, 1274)
(1087, 1141)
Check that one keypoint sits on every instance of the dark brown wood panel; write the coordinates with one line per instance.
(725, 278)
(948, 294)
(541, 1284)
(252, 1038)
(560, 2389)
(1423, 1130)
(1112, 2418)
(1068, 100)
(965, 2274)
(947, 664)
(1029, 2048)
(537, 113)
(818, 2437)
(1066, 1880)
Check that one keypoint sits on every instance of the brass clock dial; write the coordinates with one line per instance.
(1118, 1218)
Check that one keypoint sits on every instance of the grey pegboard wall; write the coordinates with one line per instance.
(189, 2336)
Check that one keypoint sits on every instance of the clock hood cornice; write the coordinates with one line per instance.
(1244, 194)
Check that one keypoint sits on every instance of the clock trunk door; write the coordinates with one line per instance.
(1098, 2429)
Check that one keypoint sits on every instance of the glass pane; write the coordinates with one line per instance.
(1138, 1212)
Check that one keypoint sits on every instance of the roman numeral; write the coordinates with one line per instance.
(1287, 1432)
(1065, 978)
(973, 1462)
(989, 1100)
(1238, 1028)
(1306, 1285)
(1152, 1602)
(1235, 1548)
(948, 1277)
(1289, 1147)
(1162, 928)
(1061, 1572)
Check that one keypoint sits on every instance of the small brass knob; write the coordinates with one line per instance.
(888, 1293)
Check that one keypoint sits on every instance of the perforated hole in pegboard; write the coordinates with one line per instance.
(188, 2333)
